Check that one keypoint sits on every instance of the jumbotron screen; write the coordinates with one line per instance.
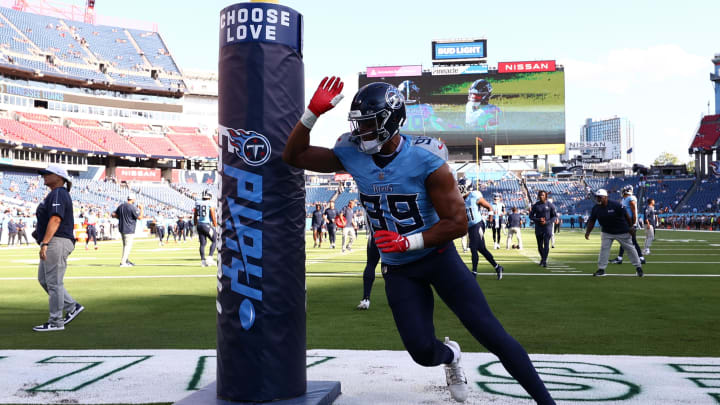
(511, 113)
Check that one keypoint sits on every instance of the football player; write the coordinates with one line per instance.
(479, 113)
(160, 226)
(415, 210)
(206, 222)
(476, 226)
(91, 220)
(498, 213)
(629, 203)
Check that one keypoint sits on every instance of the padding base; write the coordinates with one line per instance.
(318, 393)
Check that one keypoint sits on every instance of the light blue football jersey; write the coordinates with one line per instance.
(202, 207)
(626, 204)
(471, 208)
(394, 197)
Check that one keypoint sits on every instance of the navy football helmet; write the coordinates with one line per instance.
(462, 186)
(480, 91)
(376, 114)
(410, 91)
(628, 189)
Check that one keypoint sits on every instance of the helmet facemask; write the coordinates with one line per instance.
(370, 131)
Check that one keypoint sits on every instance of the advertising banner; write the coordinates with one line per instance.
(532, 66)
(394, 71)
(137, 174)
(459, 50)
(459, 70)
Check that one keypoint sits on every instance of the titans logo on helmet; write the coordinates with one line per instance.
(393, 98)
(253, 148)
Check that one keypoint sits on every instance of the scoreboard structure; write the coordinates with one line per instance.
(514, 109)
(519, 112)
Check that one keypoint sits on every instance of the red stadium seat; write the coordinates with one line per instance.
(194, 145)
(16, 131)
(708, 133)
(155, 146)
(65, 135)
(110, 141)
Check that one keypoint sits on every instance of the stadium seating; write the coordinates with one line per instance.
(708, 133)
(511, 190)
(706, 193)
(667, 193)
(16, 131)
(157, 146)
(154, 49)
(65, 135)
(183, 130)
(85, 123)
(564, 194)
(194, 145)
(109, 141)
(76, 49)
(134, 126)
(33, 116)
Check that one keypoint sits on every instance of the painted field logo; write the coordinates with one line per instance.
(566, 380)
(253, 148)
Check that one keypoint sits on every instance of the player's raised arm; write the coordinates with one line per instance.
(298, 151)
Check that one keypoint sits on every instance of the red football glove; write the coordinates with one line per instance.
(391, 242)
(327, 95)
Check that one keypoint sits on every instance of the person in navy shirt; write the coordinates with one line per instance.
(543, 214)
(514, 229)
(415, 210)
(316, 224)
(54, 233)
(616, 225)
(128, 214)
(329, 216)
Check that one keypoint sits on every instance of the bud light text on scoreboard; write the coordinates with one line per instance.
(261, 22)
(527, 66)
(459, 50)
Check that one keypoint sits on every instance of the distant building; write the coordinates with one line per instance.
(616, 133)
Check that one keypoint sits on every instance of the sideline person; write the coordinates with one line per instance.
(616, 225)
(127, 214)
(54, 233)
(543, 214)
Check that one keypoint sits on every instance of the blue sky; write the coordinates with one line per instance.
(648, 61)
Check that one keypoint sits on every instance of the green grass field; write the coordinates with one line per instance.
(168, 300)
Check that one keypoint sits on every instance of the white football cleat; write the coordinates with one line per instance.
(364, 304)
(456, 381)
(203, 263)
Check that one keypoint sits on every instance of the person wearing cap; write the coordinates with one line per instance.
(616, 225)
(127, 214)
(54, 233)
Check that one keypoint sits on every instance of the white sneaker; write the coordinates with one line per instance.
(48, 327)
(364, 304)
(456, 381)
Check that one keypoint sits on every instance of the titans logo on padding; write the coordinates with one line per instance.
(253, 148)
